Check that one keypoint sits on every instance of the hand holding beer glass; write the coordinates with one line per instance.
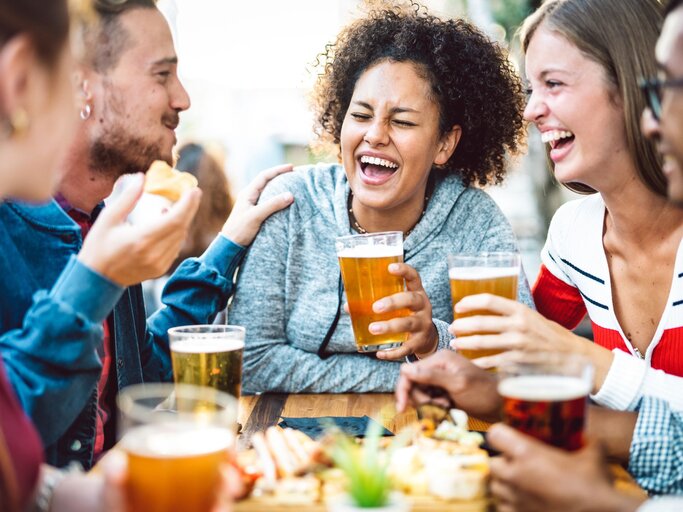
(545, 396)
(496, 273)
(176, 438)
(208, 355)
(364, 262)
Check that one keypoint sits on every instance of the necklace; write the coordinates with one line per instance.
(361, 230)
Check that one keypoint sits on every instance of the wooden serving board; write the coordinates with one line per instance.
(419, 504)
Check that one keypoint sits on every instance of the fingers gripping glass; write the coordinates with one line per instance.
(652, 88)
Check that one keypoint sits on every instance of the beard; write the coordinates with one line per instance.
(117, 151)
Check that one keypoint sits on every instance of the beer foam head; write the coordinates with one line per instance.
(370, 251)
(176, 440)
(210, 345)
(543, 388)
(479, 273)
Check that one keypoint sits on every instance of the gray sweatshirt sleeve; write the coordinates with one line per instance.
(281, 346)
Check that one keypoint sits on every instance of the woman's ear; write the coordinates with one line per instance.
(17, 60)
(447, 145)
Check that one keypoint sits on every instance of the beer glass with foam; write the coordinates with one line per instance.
(208, 355)
(364, 262)
(487, 272)
(545, 396)
(176, 438)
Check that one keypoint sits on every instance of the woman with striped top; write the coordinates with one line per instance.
(615, 254)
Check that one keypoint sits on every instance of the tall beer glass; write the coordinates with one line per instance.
(364, 262)
(545, 397)
(176, 438)
(208, 355)
(487, 272)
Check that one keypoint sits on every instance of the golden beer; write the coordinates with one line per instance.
(214, 362)
(176, 437)
(367, 279)
(175, 467)
(475, 280)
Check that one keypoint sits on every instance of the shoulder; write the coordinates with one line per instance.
(578, 213)
(475, 207)
(315, 189)
(309, 183)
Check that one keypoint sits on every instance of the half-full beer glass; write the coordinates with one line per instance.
(208, 355)
(176, 438)
(486, 272)
(545, 396)
(364, 262)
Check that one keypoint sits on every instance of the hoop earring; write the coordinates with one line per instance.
(85, 111)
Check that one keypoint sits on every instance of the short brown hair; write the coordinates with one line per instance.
(472, 81)
(106, 39)
(621, 37)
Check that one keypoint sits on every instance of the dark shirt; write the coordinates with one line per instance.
(85, 222)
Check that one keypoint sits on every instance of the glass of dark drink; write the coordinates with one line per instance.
(545, 396)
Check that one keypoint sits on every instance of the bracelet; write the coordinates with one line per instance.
(50, 478)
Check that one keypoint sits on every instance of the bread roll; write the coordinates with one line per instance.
(162, 180)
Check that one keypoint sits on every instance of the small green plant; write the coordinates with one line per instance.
(365, 466)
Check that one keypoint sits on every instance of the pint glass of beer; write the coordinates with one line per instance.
(208, 355)
(176, 438)
(364, 262)
(545, 396)
(487, 272)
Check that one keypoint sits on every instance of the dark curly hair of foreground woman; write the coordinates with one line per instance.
(472, 81)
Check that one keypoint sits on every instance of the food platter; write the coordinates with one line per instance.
(309, 491)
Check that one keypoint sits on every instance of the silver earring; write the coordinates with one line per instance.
(85, 111)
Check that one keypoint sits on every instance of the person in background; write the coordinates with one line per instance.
(615, 253)
(214, 207)
(532, 476)
(216, 203)
(129, 101)
(424, 111)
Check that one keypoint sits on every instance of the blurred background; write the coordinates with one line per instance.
(248, 67)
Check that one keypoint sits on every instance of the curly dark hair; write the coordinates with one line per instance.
(472, 81)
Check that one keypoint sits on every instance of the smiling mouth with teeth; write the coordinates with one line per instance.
(557, 137)
(377, 167)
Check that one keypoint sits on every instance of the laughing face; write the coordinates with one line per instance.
(577, 112)
(668, 132)
(390, 140)
(137, 102)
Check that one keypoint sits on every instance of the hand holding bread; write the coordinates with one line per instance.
(129, 254)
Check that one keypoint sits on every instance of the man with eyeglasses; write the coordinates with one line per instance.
(531, 476)
(130, 99)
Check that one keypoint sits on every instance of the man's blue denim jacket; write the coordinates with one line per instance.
(51, 313)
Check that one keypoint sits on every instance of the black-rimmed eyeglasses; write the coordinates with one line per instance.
(652, 88)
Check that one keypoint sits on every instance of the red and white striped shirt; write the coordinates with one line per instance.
(575, 280)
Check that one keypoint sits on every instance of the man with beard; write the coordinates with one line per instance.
(130, 101)
(532, 476)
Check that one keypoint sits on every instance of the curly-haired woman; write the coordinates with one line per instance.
(421, 109)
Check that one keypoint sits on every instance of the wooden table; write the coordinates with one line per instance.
(260, 412)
